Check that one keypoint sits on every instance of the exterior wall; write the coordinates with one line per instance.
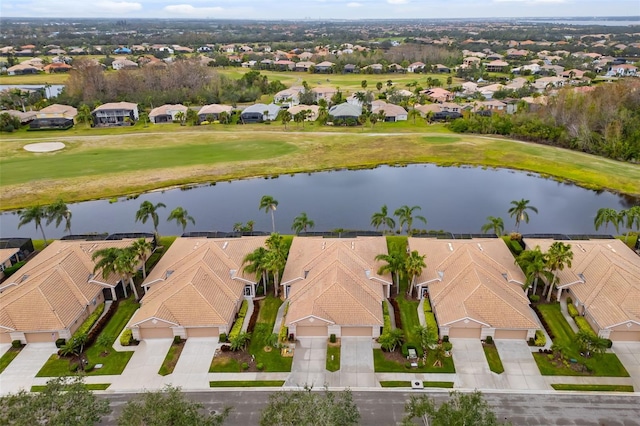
(99, 299)
(625, 336)
(511, 334)
(5, 337)
(357, 331)
(202, 332)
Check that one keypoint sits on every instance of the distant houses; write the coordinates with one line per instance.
(54, 117)
(115, 114)
(167, 113)
(258, 113)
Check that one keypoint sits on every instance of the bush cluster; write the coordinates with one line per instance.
(332, 338)
(95, 331)
(88, 323)
(245, 366)
(386, 318)
(60, 343)
(222, 338)
(488, 340)
(126, 338)
(237, 326)
(16, 344)
(540, 339)
(430, 321)
(584, 325)
(282, 336)
(260, 366)
(534, 298)
(573, 311)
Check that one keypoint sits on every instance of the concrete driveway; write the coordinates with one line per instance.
(309, 363)
(629, 355)
(21, 372)
(193, 366)
(472, 370)
(520, 369)
(141, 373)
(356, 363)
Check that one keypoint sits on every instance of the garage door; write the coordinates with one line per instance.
(202, 332)
(356, 331)
(40, 337)
(307, 331)
(625, 336)
(155, 333)
(5, 338)
(511, 334)
(464, 333)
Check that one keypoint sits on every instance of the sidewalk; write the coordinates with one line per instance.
(280, 317)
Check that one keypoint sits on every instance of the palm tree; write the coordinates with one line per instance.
(519, 210)
(126, 265)
(559, 255)
(391, 339)
(632, 217)
(608, 216)
(256, 264)
(405, 216)
(57, 212)
(301, 223)
(149, 210)
(382, 218)
(394, 264)
(105, 260)
(34, 214)
(494, 224)
(427, 337)
(286, 118)
(413, 265)
(84, 115)
(142, 248)
(269, 204)
(379, 86)
(181, 216)
(275, 258)
(534, 265)
(181, 117)
(75, 346)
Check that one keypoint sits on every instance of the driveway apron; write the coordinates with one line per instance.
(356, 363)
(629, 355)
(193, 366)
(471, 365)
(141, 373)
(21, 372)
(309, 363)
(520, 369)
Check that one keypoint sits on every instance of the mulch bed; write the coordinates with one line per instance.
(395, 356)
(240, 356)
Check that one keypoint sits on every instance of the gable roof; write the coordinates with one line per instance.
(474, 279)
(198, 282)
(57, 110)
(345, 110)
(215, 109)
(167, 109)
(336, 280)
(604, 276)
(51, 290)
(127, 106)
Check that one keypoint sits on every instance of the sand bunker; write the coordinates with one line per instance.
(44, 147)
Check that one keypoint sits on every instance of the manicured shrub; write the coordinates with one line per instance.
(126, 337)
(284, 331)
(97, 329)
(245, 366)
(332, 338)
(426, 305)
(447, 346)
(531, 341)
(569, 300)
(573, 311)
(488, 340)
(540, 339)
(222, 338)
(516, 248)
(430, 320)
(260, 366)
(89, 322)
(609, 343)
(445, 339)
(177, 340)
(60, 343)
(534, 298)
(584, 325)
(16, 344)
(385, 317)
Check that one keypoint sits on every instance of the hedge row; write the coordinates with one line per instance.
(254, 316)
(573, 311)
(583, 325)
(88, 323)
(97, 329)
(540, 339)
(386, 318)
(426, 305)
(430, 321)
(126, 337)
(13, 268)
(237, 326)
(544, 322)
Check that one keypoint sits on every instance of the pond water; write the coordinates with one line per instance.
(454, 199)
(50, 91)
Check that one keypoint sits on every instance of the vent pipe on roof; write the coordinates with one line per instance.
(353, 245)
(224, 246)
(450, 246)
(480, 247)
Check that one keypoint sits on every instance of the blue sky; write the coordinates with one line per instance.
(316, 9)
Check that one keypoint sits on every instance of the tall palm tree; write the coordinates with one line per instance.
(494, 224)
(606, 216)
(286, 118)
(147, 211)
(301, 223)
(534, 265)
(382, 218)
(142, 248)
(275, 258)
(413, 265)
(632, 217)
(34, 214)
(394, 264)
(405, 216)
(84, 115)
(105, 260)
(559, 255)
(181, 117)
(126, 265)
(269, 204)
(255, 263)
(181, 216)
(519, 210)
(57, 212)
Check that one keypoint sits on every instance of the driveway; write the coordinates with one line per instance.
(520, 369)
(21, 372)
(309, 363)
(193, 366)
(629, 355)
(472, 370)
(356, 363)
(141, 373)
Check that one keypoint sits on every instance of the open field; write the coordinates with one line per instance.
(133, 160)
(55, 78)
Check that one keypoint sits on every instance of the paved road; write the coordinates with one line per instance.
(387, 407)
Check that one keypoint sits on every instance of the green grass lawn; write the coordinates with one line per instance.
(407, 384)
(245, 383)
(170, 361)
(607, 365)
(114, 362)
(224, 365)
(88, 386)
(333, 351)
(8, 356)
(493, 358)
(409, 316)
(592, 388)
(382, 365)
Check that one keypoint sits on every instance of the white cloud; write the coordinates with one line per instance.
(117, 6)
(354, 4)
(397, 1)
(187, 9)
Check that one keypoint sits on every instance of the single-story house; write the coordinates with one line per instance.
(604, 284)
(8, 258)
(313, 109)
(284, 65)
(212, 112)
(325, 93)
(57, 67)
(324, 66)
(475, 288)
(54, 116)
(167, 113)
(350, 69)
(415, 67)
(438, 94)
(546, 82)
(115, 114)
(392, 112)
(23, 116)
(345, 111)
(290, 95)
(122, 63)
(52, 294)
(258, 113)
(196, 289)
(304, 66)
(333, 287)
(21, 69)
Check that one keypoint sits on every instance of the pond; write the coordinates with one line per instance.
(49, 90)
(454, 199)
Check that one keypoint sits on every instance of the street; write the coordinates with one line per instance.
(387, 407)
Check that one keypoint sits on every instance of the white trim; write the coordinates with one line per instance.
(157, 280)
(137, 324)
(620, 323)
(466, 318)
(311, 316)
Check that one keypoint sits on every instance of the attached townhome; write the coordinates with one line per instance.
(212, 112)
(392, 112)
(475, 288)
(604, 284)
(333, 287)
(196, 289)
(167, 113)
(115, 114)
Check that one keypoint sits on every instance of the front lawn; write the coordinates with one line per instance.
(383, 365)
(246, 383)
(9, 356)
(606, 365)
(88, 386)
(409, 316)
(222, 364)
(493, 358)
(592, 388)
(407, 384)
(333, 357)
(112, 363)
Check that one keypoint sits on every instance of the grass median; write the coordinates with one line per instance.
(123, 162)
(592, 388)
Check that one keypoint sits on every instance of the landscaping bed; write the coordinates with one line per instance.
(245, 383)
(9, 356)
(493, 358)
(407, 384)
(592, 388)
(395, 362)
